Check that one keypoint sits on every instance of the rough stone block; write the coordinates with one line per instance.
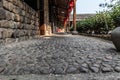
(32, 22)
(21, 4)
(24, 5)
(33, 17)
(10, 0)
(15, 34)
(10, 6)
(36, 23)
(27, 15)
(9, 33)
(26, 26)
(1, 33)
(18, 3)
(1, 4)
(21, 19)
(25, 32)
(16, 10)
(9, 40)
(23, 13)
(10, 16)
(23, 26)
(19, 25)
(5, 4)
(29, 32)
(4, 34)
(21, 32)
(7, 24)
(2, 14)
(26, 20)
(31, 27)
(15, 2)
(0, 0)
(17, 18)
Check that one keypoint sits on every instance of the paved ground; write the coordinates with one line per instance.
(61, 55)
(64, 77)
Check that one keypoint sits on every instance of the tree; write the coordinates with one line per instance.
(115, 13)
(103, 21)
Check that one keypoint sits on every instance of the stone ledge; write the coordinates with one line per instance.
(103, 36)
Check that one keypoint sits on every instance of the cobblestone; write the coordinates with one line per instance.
(59, 55)
(114, 76)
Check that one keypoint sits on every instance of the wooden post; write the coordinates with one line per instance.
(65, 26)
(69, 23)
(38, 9)
(74, 15)
(47, 26)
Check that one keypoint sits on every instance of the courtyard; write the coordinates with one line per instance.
(58, 56)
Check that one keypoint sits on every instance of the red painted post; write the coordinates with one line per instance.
(74, 15)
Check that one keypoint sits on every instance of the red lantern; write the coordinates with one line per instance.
(71, 3)
(69, 9)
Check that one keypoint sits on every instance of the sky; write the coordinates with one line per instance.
(88, 6)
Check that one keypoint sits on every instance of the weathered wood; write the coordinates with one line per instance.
(74, 19)
(38, 7)
(74, 15)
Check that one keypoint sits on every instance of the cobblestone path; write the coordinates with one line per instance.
(60, 55)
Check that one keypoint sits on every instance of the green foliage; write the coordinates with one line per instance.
(102, 22)
(115, 14)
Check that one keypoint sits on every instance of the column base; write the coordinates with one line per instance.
(74, 33)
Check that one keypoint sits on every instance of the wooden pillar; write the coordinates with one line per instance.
(46, 12)
(45, 27)
(65, 26)
(69, 23)
(74, 15)
(46, 18)
(38, 9)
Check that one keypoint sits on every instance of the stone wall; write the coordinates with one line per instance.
(18, 21)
